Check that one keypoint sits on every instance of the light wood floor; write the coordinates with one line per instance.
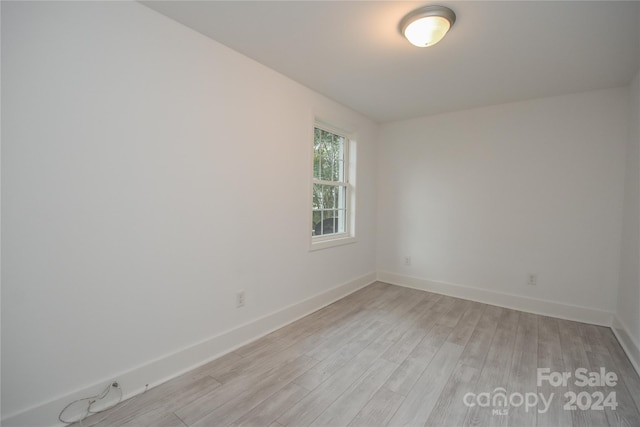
(387, 355)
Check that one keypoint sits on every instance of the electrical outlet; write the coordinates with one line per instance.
(240, 299)
(407, 260)
(532, 279)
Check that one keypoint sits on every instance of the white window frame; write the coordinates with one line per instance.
(348, 236)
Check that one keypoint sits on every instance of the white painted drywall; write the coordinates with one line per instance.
(628, 304)
(148, 173)
(481, 198)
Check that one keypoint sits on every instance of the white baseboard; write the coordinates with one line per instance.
(164, 368)
(516, 302)
(629, 344)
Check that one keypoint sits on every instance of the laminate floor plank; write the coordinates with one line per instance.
(348, 404)
(410, 330)
(407, 374)
(401, 322)
(392, 356)
(591, 339)
(309, 408)
(243, 402)
(252, 367)
(342, 338)
(624, 369)
(225, 362)
(322, 321)
(162, 395)
(424, 395)
(379, 410)
(420, 401)
(495, 372)
(167, 420)
(450, 408)
(523, 372)
(156, 414)
(149, 407)
(575, 357)
(454, 313)
(327, 367)
(550, 358)
(348, 351)
(326, 321)
(625, 413)
(260, 354)
(466, 320)
(203, 406)
(423, 318)
(269, 410)
(318, 400)
(412, 336)
(414, 363)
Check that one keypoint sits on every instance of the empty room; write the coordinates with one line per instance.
(327, 213)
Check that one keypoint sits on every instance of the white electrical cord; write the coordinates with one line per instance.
(124, 405)
(90, 402)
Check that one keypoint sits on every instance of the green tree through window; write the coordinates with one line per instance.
(330, 184)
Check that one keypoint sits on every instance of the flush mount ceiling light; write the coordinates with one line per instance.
(428, 25)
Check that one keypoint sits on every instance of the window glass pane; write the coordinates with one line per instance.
(328, 196)
(340, 170)
(338, 162)
(341, 198)
(333, 203)
(316, 165)
(328, 156)
(318, 223)
(333, 153)
(317, 196)
(329, 222)
(317, 219)
(317, 152)
(341, 221)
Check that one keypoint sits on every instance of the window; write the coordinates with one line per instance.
(332, 189)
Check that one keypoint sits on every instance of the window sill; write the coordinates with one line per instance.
(317, 245)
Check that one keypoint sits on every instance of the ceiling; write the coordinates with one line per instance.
(498, 51)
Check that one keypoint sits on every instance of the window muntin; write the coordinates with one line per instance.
(331, 189)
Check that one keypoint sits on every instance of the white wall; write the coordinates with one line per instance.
(481, 198)
(628, 304)
(148, 173)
